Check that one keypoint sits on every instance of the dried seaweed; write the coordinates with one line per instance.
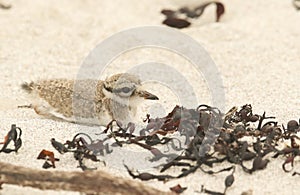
(213, 137)
(178, 189)
(210, 137)
(48, 156)
(173, 18)
(14, 135)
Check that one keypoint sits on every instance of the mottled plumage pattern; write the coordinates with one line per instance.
(88, 101)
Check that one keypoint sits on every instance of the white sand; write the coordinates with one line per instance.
(255, 47)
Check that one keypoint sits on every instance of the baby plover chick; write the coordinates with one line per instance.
(88, 101)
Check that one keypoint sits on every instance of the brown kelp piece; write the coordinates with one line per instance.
(174, 18)
(178, 189)
(48, 156)
(176, 23)
(229, 180)
(14, 135)
(83, 149)
(199, 10)
(147, 176)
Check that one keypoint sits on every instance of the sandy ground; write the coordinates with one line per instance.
(256, 48)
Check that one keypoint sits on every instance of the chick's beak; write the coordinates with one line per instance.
(147, 95)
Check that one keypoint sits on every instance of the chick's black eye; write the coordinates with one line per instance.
(126, 89)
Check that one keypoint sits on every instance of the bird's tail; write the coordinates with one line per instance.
(28, 87)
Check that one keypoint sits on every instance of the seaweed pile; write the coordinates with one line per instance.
(211, 137)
